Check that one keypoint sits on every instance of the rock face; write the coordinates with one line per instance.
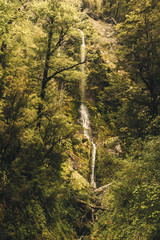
(106, 40)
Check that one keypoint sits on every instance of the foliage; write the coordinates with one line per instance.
(132, 204)
(139, 38)
(31, 189)
(110, 10)
(44, 157)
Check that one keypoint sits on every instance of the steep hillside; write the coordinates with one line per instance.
(106, 40)
(79, 120)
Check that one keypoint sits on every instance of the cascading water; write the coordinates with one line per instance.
(83, 66)
(85, 115)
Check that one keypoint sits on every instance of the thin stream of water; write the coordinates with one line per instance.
(85, 115)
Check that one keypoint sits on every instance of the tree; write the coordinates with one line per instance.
(31, 157)
(57, 19)
(139, 49)
(132, 202)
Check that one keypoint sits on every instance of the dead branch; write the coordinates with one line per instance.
(100, 189)
(89, 204)
(24, 6)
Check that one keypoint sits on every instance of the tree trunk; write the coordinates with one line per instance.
(45, 76)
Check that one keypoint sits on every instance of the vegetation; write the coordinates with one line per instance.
(45, 158)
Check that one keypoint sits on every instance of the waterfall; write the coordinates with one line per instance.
(82, 66)
(85, 114)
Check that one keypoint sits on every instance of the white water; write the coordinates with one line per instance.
(85, 120)
(82, 66)
(85, 115)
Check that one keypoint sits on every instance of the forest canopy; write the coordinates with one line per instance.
(46, 156)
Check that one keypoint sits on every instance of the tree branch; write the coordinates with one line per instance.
(64, 69)
(100, 189)
(60, 41)
(111, 18)
(24, 5)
